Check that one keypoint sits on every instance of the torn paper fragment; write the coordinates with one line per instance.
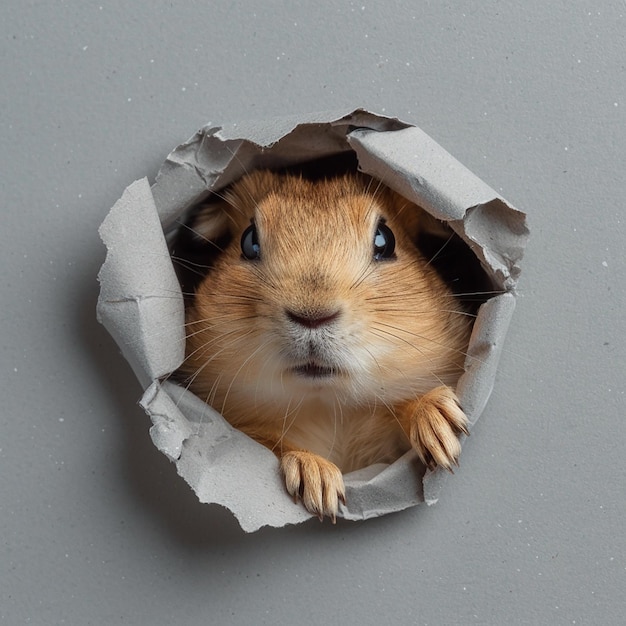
(142, 307)
(140, 301)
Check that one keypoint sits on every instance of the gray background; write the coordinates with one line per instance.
(96, 527)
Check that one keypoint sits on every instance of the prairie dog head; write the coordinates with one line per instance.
(316, 289)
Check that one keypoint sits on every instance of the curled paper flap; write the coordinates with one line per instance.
(140, 301)
(141, 305)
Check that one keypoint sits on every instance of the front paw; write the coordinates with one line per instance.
(315, 480)
(436, 420)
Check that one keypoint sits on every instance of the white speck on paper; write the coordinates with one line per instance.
(605, 264)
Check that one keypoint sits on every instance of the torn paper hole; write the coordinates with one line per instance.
(142, 307)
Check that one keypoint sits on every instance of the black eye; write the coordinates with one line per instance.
(384, 242)
(250, 247)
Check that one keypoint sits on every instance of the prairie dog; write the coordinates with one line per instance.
(321, 331)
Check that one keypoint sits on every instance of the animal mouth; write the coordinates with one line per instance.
(313, 370)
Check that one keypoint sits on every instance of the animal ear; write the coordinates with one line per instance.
(201, 238)
(429, 226)
(208, 223)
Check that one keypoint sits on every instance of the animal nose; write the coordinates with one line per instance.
(312, 319)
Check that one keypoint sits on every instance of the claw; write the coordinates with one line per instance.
(315, 481)
(435, 424)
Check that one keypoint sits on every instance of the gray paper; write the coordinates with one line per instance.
(141, 304)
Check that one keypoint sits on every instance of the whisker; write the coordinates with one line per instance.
(336, 405)
(245, 362)
(495, 292)
(440, 249)
(191, 264)
(198, 234)
(286, 427)
(412, 345)
(465, 313)
(422, 337)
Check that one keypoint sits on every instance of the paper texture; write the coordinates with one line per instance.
(141, 305)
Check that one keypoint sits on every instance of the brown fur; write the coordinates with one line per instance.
(396, 343)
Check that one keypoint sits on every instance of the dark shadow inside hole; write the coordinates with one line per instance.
(459, 267)
(324, 167)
